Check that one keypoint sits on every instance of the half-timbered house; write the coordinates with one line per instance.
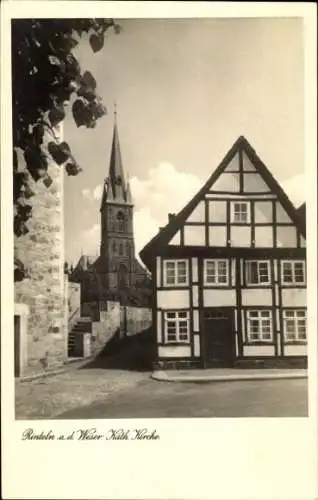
(229, 271)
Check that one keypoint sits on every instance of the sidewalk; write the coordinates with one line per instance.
(227, 374)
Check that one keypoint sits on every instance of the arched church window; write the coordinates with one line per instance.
(120, 248)
(123, 277)
(121, 221)
(128, 249)
(114, 247)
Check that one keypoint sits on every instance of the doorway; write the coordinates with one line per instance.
(219, 337)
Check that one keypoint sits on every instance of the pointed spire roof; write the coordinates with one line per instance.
(128, 192)
(115, 189)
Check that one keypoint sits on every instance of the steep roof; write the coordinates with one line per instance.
(302, 212)
(175, 223)
(84, 262)
(115, 189)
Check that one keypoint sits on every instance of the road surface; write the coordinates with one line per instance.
(152, 399)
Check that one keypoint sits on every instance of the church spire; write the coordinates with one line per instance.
(115, 189)
(116, 171)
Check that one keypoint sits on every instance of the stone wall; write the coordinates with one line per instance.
(73, 299)
(107, 326)
(42, 252)
(116, 320)
(137, 319)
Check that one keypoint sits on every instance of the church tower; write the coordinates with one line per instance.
(117, 250)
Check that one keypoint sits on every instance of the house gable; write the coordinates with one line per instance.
(241, 205)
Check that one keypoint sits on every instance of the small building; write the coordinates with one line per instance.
(229, 272)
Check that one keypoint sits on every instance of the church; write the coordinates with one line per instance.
(115, 273)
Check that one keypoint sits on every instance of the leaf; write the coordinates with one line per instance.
(100, 110)
(19, 226)
(19, 270)
(19, 181)
(47, 180)
(36, 162)
(24, 212)
(91, 124)
(56, 115)
(38, 133)
(87, 93)
(72, 169)
(54, 60)
(27, 192)
(88, 80)
(15, 160)
(117, 29)
(81, 112)
(96, 42)
(59, 152)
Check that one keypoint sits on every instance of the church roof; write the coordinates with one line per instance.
(115, 189)
(165, 234)
(84, 262)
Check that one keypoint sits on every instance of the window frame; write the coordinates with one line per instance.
(121, 221)
(177, 319)
(291, 315)
(259, 283)
(176, 282)
(248, 212)
(217, 283)
(257, 316)
(293, 263)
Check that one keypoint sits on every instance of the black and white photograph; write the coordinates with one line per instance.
(160, 180)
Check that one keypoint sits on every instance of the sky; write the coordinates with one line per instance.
(185, 91)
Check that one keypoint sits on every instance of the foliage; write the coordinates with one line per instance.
(46, 76)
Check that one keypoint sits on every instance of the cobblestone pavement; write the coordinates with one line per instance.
(152, 399)
(45, 398)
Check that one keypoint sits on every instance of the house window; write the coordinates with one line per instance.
(257, 272)
(216, 272)
(240, 212)
(175, 272)
(177, 327)
(293, 272)
(294, 324)
(259, 326)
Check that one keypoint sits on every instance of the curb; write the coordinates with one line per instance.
(68, 365)
(163, 377)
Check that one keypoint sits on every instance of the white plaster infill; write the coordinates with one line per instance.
(228, 375)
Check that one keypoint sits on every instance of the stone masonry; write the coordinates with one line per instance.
(42, 252)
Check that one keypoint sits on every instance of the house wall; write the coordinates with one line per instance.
(241, 215)
(270, 226)
(196, 296)
(42, 252)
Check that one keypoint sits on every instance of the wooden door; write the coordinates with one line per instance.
(219, 337)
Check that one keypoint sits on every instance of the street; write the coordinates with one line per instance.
(151, 399)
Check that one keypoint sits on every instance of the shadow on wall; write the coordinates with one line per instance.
(134, 353)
